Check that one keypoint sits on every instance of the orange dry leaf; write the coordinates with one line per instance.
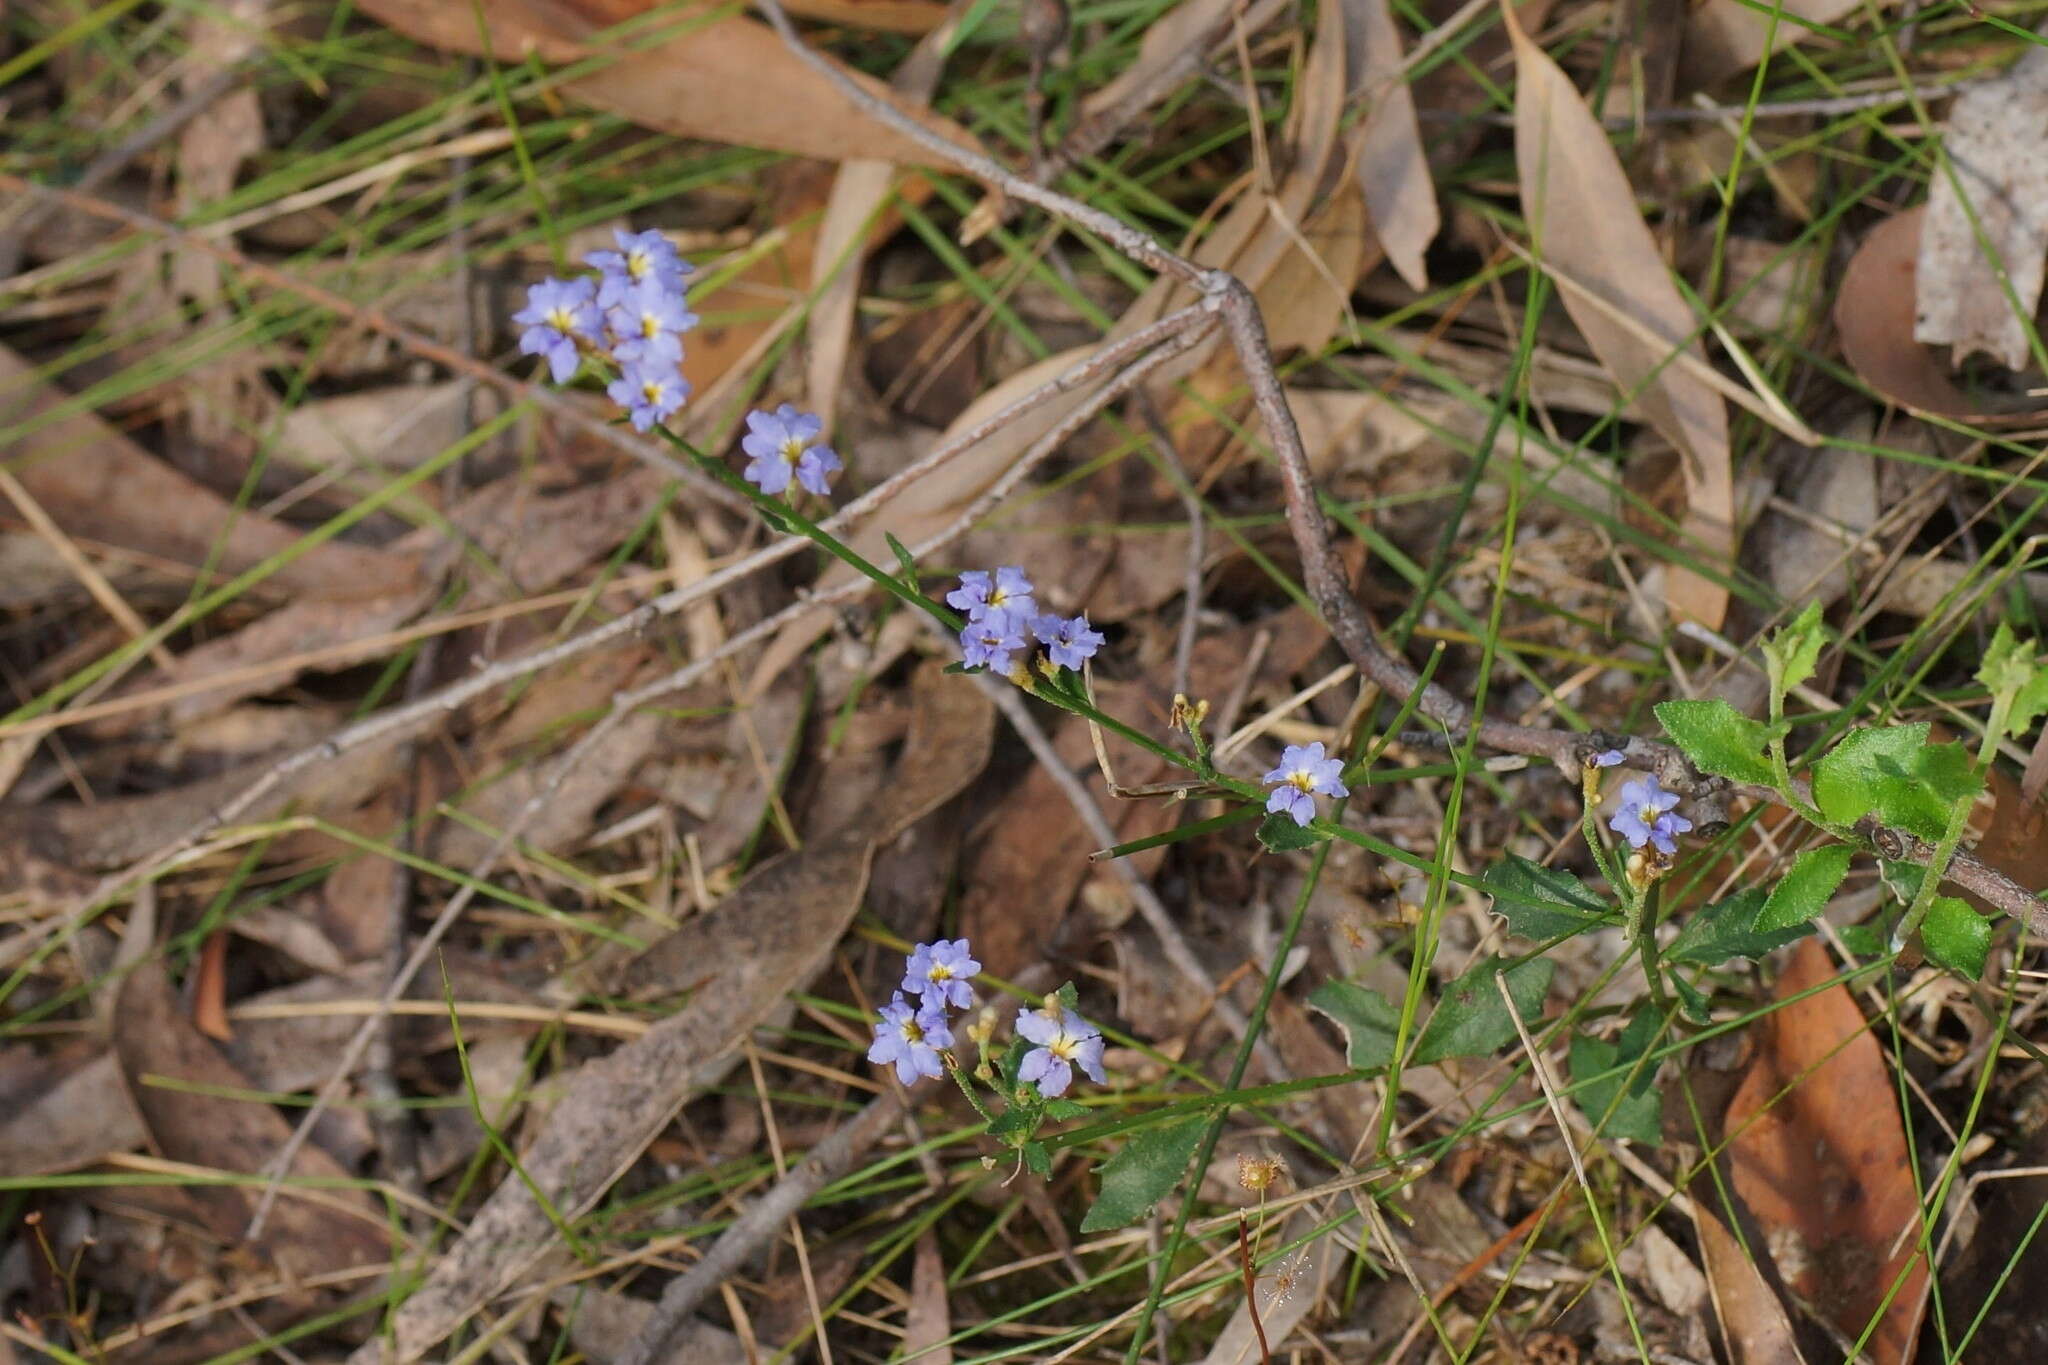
(1818, 1154)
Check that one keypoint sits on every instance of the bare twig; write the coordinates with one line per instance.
(754, 1228)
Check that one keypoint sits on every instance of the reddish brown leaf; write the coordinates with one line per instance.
(1818, 1153)
(727, 80)
(1874, 313)
(210, 989)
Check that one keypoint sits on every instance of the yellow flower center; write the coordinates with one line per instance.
(561, 319)
(913, 1032)
(793, 450)
(638, 264)
(1302, 778)
(650, 326)
(1064, 1047)
(940, 972)
(650, 389)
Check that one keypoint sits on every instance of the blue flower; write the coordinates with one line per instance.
(1645, 816)
(911, 1039)
(649, 322)
(642, 256)
(557, 314)
(1068, 640)
(1008, 590)
(939, 971)
(782, 446)
(649, 393)
(1304, 773)
(1609, 758)
(991, 637)
(1065, 1040)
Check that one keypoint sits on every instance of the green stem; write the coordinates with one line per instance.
(1958, 821)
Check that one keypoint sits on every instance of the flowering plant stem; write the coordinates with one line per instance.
(1958, 821)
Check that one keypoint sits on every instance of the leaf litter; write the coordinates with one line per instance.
(722, 870)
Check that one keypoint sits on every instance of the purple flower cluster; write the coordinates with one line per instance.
(913, 1036)
(1304, 774)
(1002, 615)
(1646, 816)
(633, 312)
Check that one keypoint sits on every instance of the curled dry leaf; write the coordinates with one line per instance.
(1818, 1154)
(724, 79)
(1591, 238)
(1999, 189)
(1874, 314)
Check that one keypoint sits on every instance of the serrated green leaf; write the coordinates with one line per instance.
(1143, 1173)
(1894, 771)
(1804, 890)
(1038, 1159)
(1956, 936)
(1638, 1111)
(1727, 929)
(1793, 652)
(1540, 902)
(2029, 704)
(1368, 1021)
(1280, 834)
(1718, 739)
(1471, 1020)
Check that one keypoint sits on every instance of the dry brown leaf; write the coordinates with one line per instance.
(1591, 237)
(1754, 1327)
(766, 939)
(169, 1066)
(99, 485)
(928, 1321)
(728, 80)
(1386, 150)
(1723, 37)
(858, 191)
(1999, 191)
(74, 1118)
(1874, 313)
(1819, 1157)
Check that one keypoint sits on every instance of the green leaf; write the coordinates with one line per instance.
(1860, 940)
(1540, 902)
(1727, 929)
(904, 559)
(1719, 739)
(2011, 668)
(1805, 888)
(1064, 1109)
(1368, 1021)
(1471, 1020)
(1691, 1001)
(1793, 652)
(1143, 1173)
(1638, 1111)
(1280, 834)
(1956, 936)
(1018, 1118)
(1894, 771)
(1038, 1159)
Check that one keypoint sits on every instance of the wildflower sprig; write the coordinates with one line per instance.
(1026, 1084)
